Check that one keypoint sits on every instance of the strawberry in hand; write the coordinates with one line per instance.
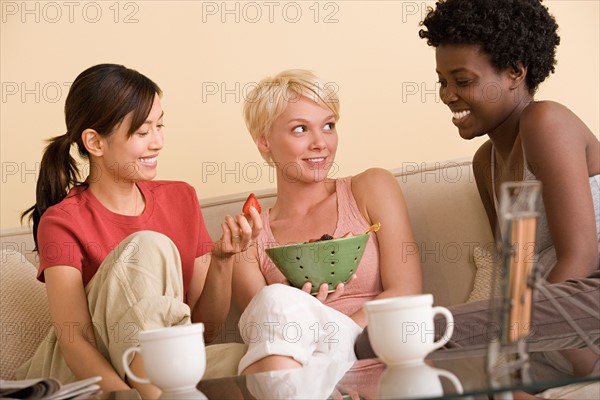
(251, 201)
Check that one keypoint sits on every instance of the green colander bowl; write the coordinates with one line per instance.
(327, 261)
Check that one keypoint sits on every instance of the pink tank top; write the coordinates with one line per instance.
(367, 285)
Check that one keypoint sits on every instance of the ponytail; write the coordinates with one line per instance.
(58, 173)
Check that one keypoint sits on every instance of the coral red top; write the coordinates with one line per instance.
(80, 232)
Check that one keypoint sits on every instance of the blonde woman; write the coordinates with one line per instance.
(292, 118)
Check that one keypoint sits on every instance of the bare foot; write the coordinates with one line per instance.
(146, 391)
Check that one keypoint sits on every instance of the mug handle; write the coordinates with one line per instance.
(449, 326)
(452, 378)
(128, 371)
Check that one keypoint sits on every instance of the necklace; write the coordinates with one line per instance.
(138, 193)
(118, 206)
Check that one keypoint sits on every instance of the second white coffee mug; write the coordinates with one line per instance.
(174, 357)
(401, 329)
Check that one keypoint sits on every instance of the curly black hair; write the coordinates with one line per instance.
(508, 30)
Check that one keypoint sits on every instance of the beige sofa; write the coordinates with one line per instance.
(446, 213)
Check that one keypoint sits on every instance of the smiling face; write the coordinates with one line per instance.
(302, 141)
(131, 158)
(480, 97)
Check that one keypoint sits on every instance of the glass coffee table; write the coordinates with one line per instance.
(448, 374)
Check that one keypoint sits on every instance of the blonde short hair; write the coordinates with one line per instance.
(268, 100)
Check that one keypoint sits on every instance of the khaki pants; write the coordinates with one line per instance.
(137, 287)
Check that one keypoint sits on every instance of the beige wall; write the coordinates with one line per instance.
(204, 57)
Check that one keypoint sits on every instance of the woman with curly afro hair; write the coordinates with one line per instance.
(491, 55)
(490, 58)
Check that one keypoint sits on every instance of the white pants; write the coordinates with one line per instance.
(282, 320)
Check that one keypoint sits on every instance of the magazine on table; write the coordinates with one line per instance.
(49, 389)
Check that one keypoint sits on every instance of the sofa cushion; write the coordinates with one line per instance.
(24, 313)
(448, 221)
(446, 214)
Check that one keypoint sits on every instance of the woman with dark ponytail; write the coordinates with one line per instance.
(58, 171)
(119, 252)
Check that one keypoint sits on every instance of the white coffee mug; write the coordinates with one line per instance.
(174, 357)
(401, 329)
(414, 382)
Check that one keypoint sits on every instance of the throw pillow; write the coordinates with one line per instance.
(485, 282)
(23, 311)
